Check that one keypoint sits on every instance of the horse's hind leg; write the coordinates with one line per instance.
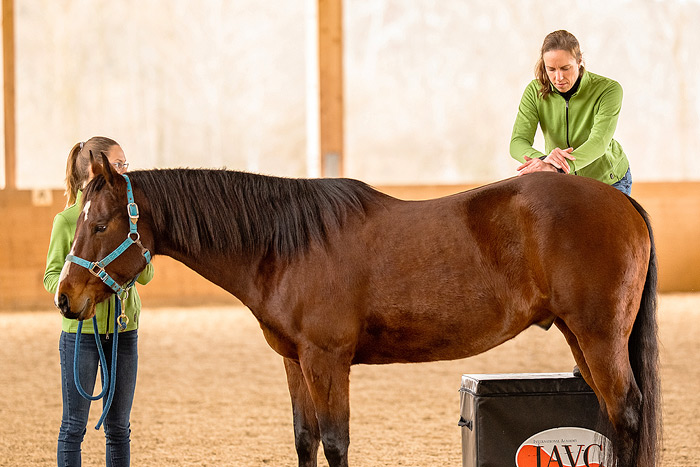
(576, 352)
(306, 432)
(608, 361)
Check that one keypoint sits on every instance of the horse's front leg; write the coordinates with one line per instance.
(306, 431)
(327, 375)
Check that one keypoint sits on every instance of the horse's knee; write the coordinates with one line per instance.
(306, 438)
(307, 447)
(336, 450)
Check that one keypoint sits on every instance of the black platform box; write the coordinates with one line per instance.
(501, 413)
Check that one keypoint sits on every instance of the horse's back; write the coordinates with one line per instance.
(582, 219)
(579, 233)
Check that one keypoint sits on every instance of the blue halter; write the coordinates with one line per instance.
(97, 268)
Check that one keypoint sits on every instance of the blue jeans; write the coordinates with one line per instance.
(625, 183)
(76, 408)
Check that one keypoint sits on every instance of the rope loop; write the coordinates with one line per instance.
(108, 381)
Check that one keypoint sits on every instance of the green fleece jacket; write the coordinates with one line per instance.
(62, 235)
(586, 124)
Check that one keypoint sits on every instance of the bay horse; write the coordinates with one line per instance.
(339, 274)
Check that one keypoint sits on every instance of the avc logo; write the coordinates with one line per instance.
(563, 447)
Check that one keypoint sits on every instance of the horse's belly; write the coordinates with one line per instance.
(429, 340)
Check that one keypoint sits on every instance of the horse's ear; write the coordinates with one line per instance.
(101, 165)
(107, 169)
(95, 166)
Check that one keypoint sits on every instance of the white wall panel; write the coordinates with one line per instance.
(176, 82)
(431, 87)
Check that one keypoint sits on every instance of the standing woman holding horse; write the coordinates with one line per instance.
(75, 407)
(577, 111)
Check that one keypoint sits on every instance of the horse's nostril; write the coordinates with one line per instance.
(63, 303)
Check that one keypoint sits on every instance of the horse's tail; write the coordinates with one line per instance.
(644, 359)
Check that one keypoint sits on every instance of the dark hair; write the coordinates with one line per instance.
(244, 212)
(78, 165)
(557, 40)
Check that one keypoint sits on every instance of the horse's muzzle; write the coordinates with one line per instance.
(63, 304)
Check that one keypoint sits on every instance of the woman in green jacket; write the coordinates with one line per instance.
(75, 407)
(577, 111)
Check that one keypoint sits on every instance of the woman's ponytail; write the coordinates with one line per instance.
(74, 179)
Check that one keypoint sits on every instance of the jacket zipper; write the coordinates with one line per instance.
(568, 144)
(109, 310)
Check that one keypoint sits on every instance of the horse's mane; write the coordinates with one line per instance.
(229, 211)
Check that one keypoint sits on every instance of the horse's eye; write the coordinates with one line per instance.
(100, 228)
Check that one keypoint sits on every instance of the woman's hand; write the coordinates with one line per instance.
(558, 158)
(535, 165)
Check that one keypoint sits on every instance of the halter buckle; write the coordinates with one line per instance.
(96, 269)
(133, 210)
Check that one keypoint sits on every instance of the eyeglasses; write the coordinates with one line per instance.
(121, 165)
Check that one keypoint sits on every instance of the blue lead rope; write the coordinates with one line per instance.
(107, 381)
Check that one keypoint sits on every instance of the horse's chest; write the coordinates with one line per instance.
(279, 343)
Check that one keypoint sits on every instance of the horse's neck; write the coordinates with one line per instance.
(232, 273)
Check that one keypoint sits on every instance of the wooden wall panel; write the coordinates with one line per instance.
(330, 64)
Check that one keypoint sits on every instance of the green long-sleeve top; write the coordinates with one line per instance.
(60, 244)
(586, 123)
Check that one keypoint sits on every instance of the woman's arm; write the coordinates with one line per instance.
(146, 275)
(59, 247)
(525, 126)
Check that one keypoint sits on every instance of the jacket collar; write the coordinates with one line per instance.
(584, 79)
